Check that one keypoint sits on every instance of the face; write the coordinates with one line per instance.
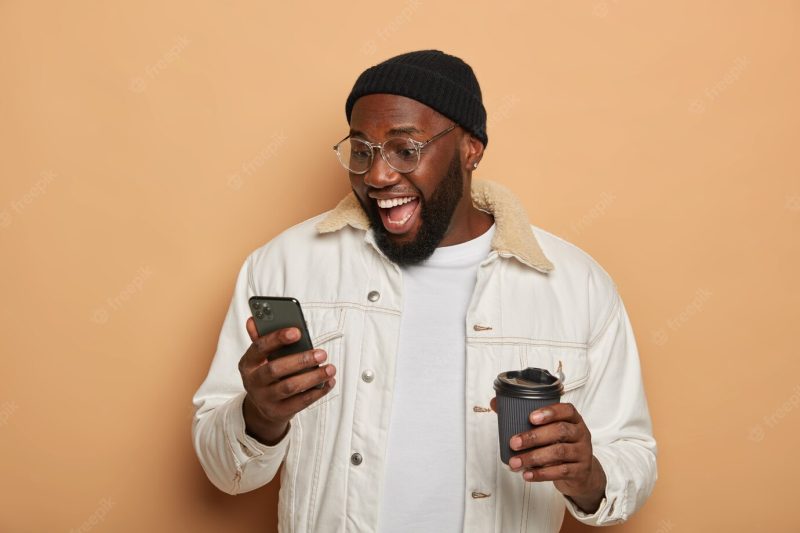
(413, 213)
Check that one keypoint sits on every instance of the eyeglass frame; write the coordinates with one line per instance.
(418, 146)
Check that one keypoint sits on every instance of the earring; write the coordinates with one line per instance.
(475, 164)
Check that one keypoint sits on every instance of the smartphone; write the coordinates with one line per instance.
(271, 313)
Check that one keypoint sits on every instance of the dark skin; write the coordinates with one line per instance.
(273, 398)
(558, 449)
(374, 118)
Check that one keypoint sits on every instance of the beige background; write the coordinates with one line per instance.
(148, 147)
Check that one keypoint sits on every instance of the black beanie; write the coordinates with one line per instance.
(438, 80)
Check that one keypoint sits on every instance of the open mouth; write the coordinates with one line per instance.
(398, 214)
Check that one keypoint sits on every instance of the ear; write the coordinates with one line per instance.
(471, 152)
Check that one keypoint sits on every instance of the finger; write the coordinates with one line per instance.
(298, 402)
(551, 455)
(493, 404)
(554, 412)
(287, 365)
(545, 435)
(251, 329)
(263, 346)
(285, 388)
(564, 471)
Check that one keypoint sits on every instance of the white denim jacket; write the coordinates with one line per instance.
(538, 301)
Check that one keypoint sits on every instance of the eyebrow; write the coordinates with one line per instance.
(397, 130)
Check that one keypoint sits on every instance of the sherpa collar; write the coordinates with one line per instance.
(513, 235)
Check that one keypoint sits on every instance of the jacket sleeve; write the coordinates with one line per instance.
(232, 460)
(616, 413)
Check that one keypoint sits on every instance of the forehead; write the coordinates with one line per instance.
(382, 112)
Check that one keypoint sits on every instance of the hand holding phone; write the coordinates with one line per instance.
(272, 313)
(280, 371)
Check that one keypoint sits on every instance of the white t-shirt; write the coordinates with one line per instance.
(424, 484)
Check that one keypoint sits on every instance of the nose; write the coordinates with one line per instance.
(380, 174)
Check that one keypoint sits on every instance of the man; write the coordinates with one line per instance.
(418, 289)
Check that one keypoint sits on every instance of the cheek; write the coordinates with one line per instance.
(429, 175)
(357, 184)
(425, 185)
(360, 189)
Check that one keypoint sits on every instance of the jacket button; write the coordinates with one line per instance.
(356, 459)
(368, 375)
(373, 296)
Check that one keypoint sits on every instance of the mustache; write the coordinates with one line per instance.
(395, 191)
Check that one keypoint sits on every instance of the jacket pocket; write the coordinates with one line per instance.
(569, 362)
(326, 328)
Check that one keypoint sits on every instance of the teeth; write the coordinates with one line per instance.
(386, 204)
(399, 222)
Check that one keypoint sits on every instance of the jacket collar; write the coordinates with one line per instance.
(513, 234)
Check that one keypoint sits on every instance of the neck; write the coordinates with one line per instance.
(468, 222)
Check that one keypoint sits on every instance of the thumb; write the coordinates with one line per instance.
(251, 329)
(493, 404)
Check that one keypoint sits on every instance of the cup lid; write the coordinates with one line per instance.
(530, 383)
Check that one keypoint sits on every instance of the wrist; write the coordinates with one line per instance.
(588, 495)
(258, 427)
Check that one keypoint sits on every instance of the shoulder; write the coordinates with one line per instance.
(580, 274)
(567, 256)
(306, 264)
(302, 252)
(298, 240)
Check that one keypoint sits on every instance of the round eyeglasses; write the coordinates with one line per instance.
(401, 154)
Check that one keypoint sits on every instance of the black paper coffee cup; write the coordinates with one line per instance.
(518, 393)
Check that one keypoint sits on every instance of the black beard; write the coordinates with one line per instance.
(435, 215)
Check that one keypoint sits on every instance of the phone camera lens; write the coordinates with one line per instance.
(259, 315)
